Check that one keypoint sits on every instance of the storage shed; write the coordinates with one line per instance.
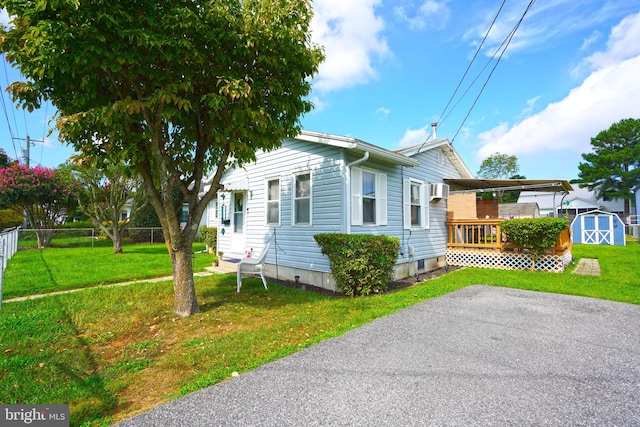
(598, 228)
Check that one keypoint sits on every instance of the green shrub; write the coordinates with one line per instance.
(535, 234)
(145, 218)
(85, 223)
(10, 218)
(209, 236)
(361, 264)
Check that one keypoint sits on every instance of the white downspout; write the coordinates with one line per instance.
(347, 192)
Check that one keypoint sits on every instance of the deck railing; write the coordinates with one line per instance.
(486, 234)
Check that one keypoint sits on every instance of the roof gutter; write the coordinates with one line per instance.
(360, 160)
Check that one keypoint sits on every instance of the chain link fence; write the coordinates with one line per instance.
(88, 237)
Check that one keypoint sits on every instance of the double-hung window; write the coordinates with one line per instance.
(302, 207)
(368, 197)
(273, 202)
(415, 195)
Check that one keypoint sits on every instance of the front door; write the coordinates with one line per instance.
(238, 221)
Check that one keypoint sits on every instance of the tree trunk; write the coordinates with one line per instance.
(44, 238)
(185, 303)
(117, 238)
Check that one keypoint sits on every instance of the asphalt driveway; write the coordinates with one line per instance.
(479, 356)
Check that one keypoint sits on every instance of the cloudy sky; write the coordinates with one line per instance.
(568, 71)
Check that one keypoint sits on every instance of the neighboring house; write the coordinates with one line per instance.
(518, 210)
(578, 201)
(319, 183)
(125, 213)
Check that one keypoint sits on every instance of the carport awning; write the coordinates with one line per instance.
(466, 185)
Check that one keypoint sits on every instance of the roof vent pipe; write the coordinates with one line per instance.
(433, 130)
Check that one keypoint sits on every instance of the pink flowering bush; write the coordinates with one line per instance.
(43, 194)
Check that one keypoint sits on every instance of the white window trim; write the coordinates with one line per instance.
(424, 205)
(293, 198)
(356, 196)
(267, 201)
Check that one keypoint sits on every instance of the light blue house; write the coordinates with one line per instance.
(598, 228)
(319, 183)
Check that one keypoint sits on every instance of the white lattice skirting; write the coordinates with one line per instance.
(506, 260)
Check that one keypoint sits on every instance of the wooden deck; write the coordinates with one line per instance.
(481, 243)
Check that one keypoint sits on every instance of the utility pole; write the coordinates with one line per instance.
(26, 152)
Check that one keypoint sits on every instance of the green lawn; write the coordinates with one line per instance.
(114, 352)
(37, 271)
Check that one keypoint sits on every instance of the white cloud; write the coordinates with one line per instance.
(351, 34)
(531, 103)
(431, 14)
(545, 22)
(382, 111)
(415, 136)
(623, 43)
(594, 37)
(318, 104)
(608, 95)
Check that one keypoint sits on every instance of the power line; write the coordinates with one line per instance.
(495, 18)
(6, 112)
(489, 61)
(508, 41)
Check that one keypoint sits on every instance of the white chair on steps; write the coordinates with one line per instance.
(253, 266)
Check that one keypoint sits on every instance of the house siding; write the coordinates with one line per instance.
(294, 252)
(292, 246)
(432, 242)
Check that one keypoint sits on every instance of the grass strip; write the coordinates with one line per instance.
(38, 271)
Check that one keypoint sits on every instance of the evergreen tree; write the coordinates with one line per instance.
(613, 168)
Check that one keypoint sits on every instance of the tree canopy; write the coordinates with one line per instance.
(179, 88)
(499, 166)
(103, 193)
(612, 169)
(43, 194)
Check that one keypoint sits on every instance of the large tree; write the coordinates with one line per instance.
(103, 194)
(613, 168)
(177, 87)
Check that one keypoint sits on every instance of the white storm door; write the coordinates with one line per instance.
(238, 221)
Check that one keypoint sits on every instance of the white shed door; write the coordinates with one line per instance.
(597, 229)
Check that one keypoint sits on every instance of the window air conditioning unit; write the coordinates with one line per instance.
(439, 191)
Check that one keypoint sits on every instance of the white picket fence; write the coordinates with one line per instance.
(8, 247)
